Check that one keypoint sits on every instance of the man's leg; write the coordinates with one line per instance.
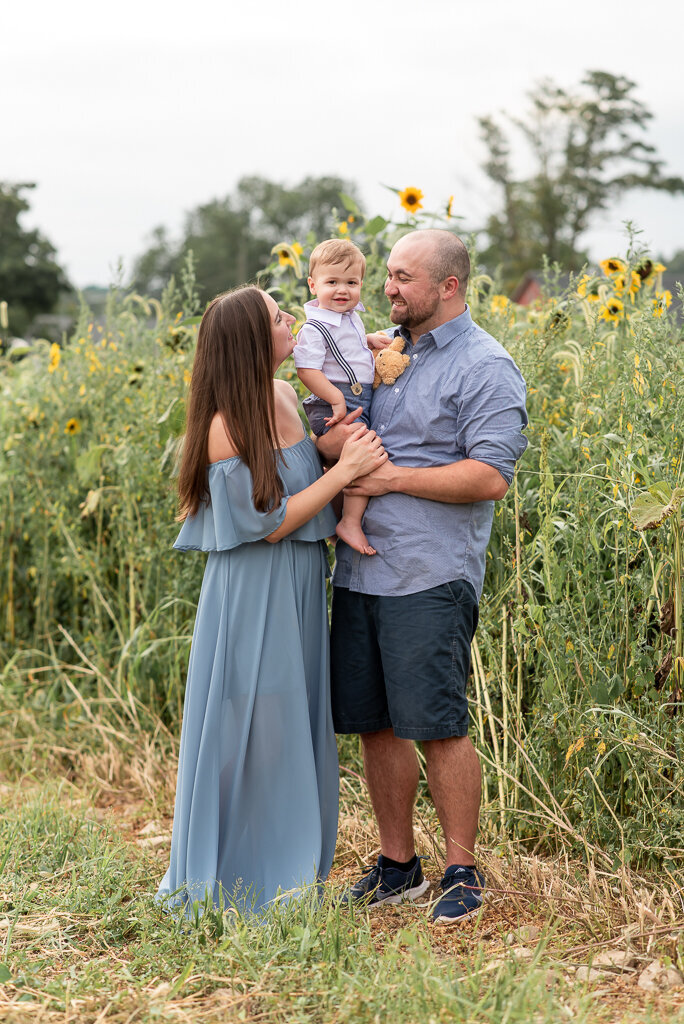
(392, 775)
(391, 769)
(453, 773)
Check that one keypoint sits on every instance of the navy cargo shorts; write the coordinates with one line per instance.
(402, 663)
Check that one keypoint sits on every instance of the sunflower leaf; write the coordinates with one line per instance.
(656, 505)
(350, 205)
(376, 225)
(172, 422)
(89, 465)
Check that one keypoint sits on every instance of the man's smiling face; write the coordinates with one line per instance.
(415, 297)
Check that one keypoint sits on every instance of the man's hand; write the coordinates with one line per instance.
(330, 444)
(380, 481)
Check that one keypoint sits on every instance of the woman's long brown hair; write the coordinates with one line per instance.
(233, 375)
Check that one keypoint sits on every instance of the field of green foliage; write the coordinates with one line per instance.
(578, 667)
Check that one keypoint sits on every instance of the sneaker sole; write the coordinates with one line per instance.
(400, 897)
(444, 920)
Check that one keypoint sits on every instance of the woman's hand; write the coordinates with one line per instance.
(362, 453)
(330, 445)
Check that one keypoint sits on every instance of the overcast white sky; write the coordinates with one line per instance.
(126, 115)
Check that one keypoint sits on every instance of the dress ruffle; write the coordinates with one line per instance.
(230, 518)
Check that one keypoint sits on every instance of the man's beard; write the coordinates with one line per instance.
(411, 315)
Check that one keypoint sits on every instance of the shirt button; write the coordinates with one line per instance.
(415, 357)
(396, 391)
(382, 426)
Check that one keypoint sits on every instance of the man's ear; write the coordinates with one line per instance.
(450, 287)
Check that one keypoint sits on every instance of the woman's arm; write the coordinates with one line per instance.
(362, 453)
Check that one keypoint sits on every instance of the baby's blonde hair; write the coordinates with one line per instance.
(336, 250)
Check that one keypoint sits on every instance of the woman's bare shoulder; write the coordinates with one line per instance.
(288, 423)
(220, 443)
(286, 391)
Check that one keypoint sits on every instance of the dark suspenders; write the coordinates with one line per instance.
(356, 388)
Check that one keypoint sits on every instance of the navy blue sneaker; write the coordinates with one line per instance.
(462, 893)
(389, 885)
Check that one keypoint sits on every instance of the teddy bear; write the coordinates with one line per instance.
(390, 363)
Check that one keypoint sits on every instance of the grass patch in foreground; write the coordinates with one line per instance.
(82, 939)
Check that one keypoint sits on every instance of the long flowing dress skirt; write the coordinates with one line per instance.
(257, 794)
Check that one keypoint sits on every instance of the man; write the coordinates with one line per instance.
(403, 619)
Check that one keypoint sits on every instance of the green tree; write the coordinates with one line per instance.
(231, 238)
(587, 150)
(31, 280)
(675, 264)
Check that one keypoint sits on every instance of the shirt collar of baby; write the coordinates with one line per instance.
(328, 316)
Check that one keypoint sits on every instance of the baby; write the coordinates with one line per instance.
(333, 359)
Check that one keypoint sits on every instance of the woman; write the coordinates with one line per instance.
(256, 801)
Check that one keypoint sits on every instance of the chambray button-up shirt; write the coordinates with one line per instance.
(460, 397)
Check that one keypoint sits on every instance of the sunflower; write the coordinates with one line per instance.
(72, 427)
(285, 254)
(649, 271)
(612, 310)
(662, 302)
(55, 356)
(620, 283)
(343, 228)
(613, 266)
(410, 199)
(498, 303)
(583, 290)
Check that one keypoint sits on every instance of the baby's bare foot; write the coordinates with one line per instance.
(349, 530)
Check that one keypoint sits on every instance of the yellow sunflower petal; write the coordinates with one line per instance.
(613, 266)
(410, 199)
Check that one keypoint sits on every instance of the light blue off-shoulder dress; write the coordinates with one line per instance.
(257, 794)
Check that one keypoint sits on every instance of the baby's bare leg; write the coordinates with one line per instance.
(349, 527)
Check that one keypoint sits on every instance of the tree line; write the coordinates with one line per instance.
(587, 146)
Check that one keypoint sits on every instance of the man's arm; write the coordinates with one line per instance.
(457, 483)
(492, 416)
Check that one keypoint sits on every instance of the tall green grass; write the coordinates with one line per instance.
(577, 718)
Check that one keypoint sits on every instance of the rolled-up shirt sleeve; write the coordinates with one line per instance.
(309, 352)
(492, 415)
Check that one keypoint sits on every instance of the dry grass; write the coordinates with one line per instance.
(544, 917)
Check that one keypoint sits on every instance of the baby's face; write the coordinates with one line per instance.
(337, 286)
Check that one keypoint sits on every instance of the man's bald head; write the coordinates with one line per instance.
(442, 254)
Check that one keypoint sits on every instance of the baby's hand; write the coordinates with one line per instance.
(378, 341)
(339, 411)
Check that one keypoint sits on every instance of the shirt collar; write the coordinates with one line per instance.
(328, 316)
(446, 332)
